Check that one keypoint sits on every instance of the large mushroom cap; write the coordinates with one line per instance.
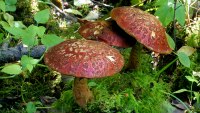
(84, 58)
(106, 32)
(145, 27)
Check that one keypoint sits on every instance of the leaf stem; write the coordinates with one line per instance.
(165, 67)
(174, 22)
(6, 77)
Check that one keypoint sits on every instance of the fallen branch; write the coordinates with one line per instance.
(15, 53)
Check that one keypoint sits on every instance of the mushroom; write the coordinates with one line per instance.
(84, 59)
(144, 27)
(104, 31)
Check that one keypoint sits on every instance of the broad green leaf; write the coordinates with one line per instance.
(187, 50)
(29, 67)
(34, 61)
(19, 24)
(42, 16)
(29, 36)
(180, 14)
(30, 107)
(11, 8)
(28, 62)
(50, 40)
(73, 11)
(2, 6)
(160, 2)
(181, 91)
(10, 2)
(191, 79)
(170, 42)
(4, 24)
(165, 12)
(14, 31)
(12, 69)
(9, 18)
(40, 31)
(197, 95)
(184, 59)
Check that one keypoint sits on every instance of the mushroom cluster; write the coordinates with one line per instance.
(96, 59)
(144, 27)
(84, 59)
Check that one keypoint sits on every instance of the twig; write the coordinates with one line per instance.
(102, 4)
(67, 16)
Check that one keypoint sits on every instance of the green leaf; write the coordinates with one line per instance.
(40, 31)
(9, 18)
(19, 24)
(161, 2)
(181, 90)
(28, 62)
(1, 37)
(29, 36)
(184, 59)
(14, 31)
(191, 79)
(2, 6)
(10, 2)
(170, 42)
(50, 40)
(17, 32)
(165, 12)
(42, 16)
(197, 95)
(180, 14)
(4, 24)
(12, 69)
(30, 107)
(187, 50)
(11, 8)
(73, 11)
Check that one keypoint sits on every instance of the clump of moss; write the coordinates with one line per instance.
(20, 89)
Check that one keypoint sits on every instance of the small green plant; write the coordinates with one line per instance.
(30, 36)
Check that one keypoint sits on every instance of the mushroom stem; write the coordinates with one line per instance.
(133, 62)
(81, 91)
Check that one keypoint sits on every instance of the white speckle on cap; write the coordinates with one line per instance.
(111, 58)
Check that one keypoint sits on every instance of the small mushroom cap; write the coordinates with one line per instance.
(146, 28)
(84, 58)
(104, 31)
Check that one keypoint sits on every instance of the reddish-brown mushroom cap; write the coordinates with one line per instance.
(145, 27)
(104, 31)
(84, 58)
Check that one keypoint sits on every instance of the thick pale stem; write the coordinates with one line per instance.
(82, 93)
